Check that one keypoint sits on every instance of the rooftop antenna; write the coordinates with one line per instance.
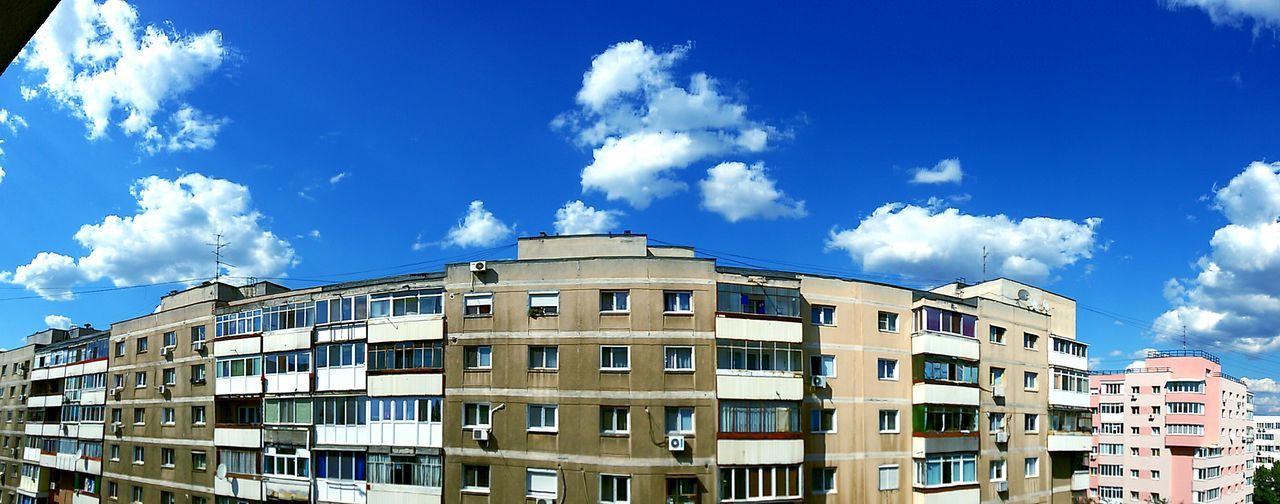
(1184, 336)
(217, 256)
(984, 263)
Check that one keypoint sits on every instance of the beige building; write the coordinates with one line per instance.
(15, 365)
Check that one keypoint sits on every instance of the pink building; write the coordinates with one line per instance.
(1177, 430)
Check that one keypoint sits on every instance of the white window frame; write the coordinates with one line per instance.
(897, 421)
(139, 379)
(666, 359)
(679, 310)
(529, 473)
(625, 348)
(892, 318)
(477, 349)
(1034, 420)
(996, 334)
(827, 315)
(998, 466)
(815, 420)
(626, 413)
(168, 416)
(820, 476)
(1034, 378)
(539, 299)
(617, 478)
(476, 489)
(880, 473)
(1034, 464)
(613, 301)
(822, 360)
(540, 366)
(893, 376)
(693, 419)
(479, 297)
(488, 413)
(541, 410)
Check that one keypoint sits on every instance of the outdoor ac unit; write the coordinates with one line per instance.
(1133, 397)
(481, 435)
(53, 485)
(997, 391)
(166, 351)
(117, 390)
(115, 427)
(198, 346)
(1002, 437)
(479, 266)
(162, 389)
(22, 398)
(1001, 486)
(1093, 456)
(544, 501)
(1151, 418)
(818, 382)
(675, 443)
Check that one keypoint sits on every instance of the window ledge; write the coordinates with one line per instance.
(679, 371)
(678, 313)
(616, 370)
(475, 491)
(485, 315)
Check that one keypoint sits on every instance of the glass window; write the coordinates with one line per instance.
(615, 420)
(542, 417)
(677, 302)
(614, 301)
(544, 357)
(544, 304)
(475, 415)
(822, 421)
(475, 478)
(889, 421)
(823, 480)
(888, 477)
(758, 300)
(888, 321)
(478, 305)
(678, 358)
(743, 355)
(615, 358)
(541, 483)
(615, 489)
(406, 355)
(887, 369)
(679, 420)
(822, 315)
(759, 417)
(822, 365)
(478, 356)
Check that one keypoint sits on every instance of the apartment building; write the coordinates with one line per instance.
(588, 369)
(1265, 445)
(1175, 429)
(15, 365)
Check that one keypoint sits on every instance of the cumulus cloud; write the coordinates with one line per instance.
(11, 122)
(479, 228)
(737, 191)
(1261, 385)
(165, 240)
(643, 126)
(57, 321)
(338, 178)
(941, 245)
(1233, 300)
(1263, 13)
(575, 218)
(947, 171)
(101, 63)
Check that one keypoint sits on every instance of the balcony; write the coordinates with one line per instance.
(759, 451)
(391, 494)
(239, 437)
(773, 386)
(406, 328)
(1068, 398)
(939, 343)
(239, 487)
(942, 393)
(1071, 442)
(746, 327)
(409, 384)
(970, 494)
(1080, 481)
(287, 490)
(923, 446)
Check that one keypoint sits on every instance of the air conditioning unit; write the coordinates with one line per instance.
(53, 485)
(479, 266)
(162, 389)
(166, 351)
(818, 382)
(997, 391)
(1001, 486)
(116, 391)
(675, 443)
(1133, 397)
(481, 435)
(197, 346)
(1093, 456)
(22, 398)
(1151, 418)
(115, 427)
(543, 501)
(1002, 437)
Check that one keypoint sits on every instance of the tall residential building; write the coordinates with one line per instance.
(15, 367)
(1175, 429)
(1265, 445)
(591, 368)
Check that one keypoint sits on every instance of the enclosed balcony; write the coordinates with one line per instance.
(759, 433)
(1070, 430)
(944, 380)
(763, 370)
(1069, 353)
(758, 313)
(944, 332)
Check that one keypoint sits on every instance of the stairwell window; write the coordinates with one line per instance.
(615, 301)
(478, 305)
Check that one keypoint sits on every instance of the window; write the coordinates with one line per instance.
(399, 304)
(1185, 408)
(889, 421)
(888, 321)
(286, 460)
(759, 482)
(679, 420)
(682, 490)
(340, 410)
(887, 369)
(1212, 494)
(544, 304)
(540, 483)
(198, 461)
(1134, 473)
(169, 376)
(542, 417)
(1031, 467)
(197, 415)
(822, 315)
(888, 477)
(477, 357)
(114, 452)
(742, 355)
(143, 343)
(678, 358)
(997, 335)
(166, 457)
(945, 321)
(615, 358)
(758, 300)
(197, 373)
(166, 416)
(1155, 389)
(475, 478)
(1155, 475)
(478, 305)
(997, 421)
(615, 489)
(1110, 448)
(406, 355)
(677, 302)
(1030, 381)
(1070, 380)
(997, 377)
(943, 369)
(140, 379)
(1185, 429)
(1111, 408)
(239, 366)
(475, 416)
(1155, 452)
(1111, 470)
(947, 469)
(137, 493)
(340, 355)
(340, 465)
(1029, 341)
(1110, 492)
(1031, 423)
(822, 421)
(1155, 410)
(197, 334)
(113, 489)
(120, 349)
(544, 357)
(614, 301)
(139, 416)
(287, 362)
(823, 480)
(759, 417)
(943, 418)
(413, 470)
(139, 455)
(615, 420)
(822, 365)
(1070, 347)
(298, 411)
(1111, 388)
(1185, 386)
(998, 470)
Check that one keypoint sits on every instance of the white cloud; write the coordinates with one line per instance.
(338, 178)
(1263, 13)
(165, 240)
(12, 122)
(315, 233)
(575, 218)
(190, 130)
(941, 245)
(1261, 385)
(737, 191)
(57, 321)
(100, 62)
(947, 171)
(479, 228)
(1233, 300)
(643, 127)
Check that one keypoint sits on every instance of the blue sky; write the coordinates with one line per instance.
(1095, 148)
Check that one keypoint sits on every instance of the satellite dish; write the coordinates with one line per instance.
(221, 472)
(1023, 295)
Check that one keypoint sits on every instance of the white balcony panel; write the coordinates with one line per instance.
(48, 460)
(93, 397)
(969, 495)
(284, 340)
(424, 435)
(69, 430)
(1111, 417)
(239, 438)
(1070, 442)
(1079, 481)
(31, 455)
(922, 446)
(936, 393)
(759, 451)
(290, 490)
(36, 485)
(67, 461)
(237, 346)
(408, 328)
(342, 435)
(76, 369)
(928, 342)
(39, 374)
(237, 385)
(91, 431)
(240, 488)
(400, 494)
(345, 492)
(288, 383)
(1067, 360)
(79, 498)
(52, 429)
(1067, 398)
(341, 378)
(34, 429)
(97, 366)
(341, 332)
(759, 329)
(44, 401)
(788, 387)
(416, 384)
(88, 466)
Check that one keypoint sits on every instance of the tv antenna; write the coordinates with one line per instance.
(218, 245)
(984, 263)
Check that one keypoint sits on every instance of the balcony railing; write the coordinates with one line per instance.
(1217, 374)
(1153, 354)
(1130, 370)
